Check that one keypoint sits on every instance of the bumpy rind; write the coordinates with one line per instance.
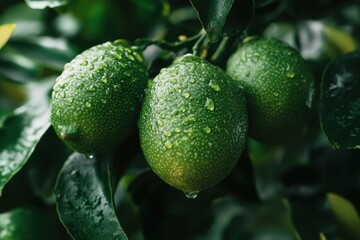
(192, 125)
(97, 98)
(279, 87)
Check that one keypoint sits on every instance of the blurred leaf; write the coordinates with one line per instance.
(22, 131)
(29, 22)
(224, 18)
(340, 102)
(51, 52)
(6, 30)
(347, 218)
(84, 198)
(41, 4)
(322, 236)
(26, 223)
(17, 68)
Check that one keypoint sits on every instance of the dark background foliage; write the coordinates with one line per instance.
(306, 189)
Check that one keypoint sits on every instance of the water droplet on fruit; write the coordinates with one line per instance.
(91, 66)
(62, 94)
(290, 74)
(209, 104)
(90, 156)
(168, 144)
(168, 133)
(192, 118)
(186, 95)
(192, 80)
(84, 63)
(179, 90)
(214, 86)
(160, 123)
(103, 101)
(183, 109)
(88, 104)
(104, 80)
(191, 195)
(207, 129)
(70, 100)
(177, 130)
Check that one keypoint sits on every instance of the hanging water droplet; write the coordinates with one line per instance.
(179, 90)
(88, 104)
(192, 80)
(90, 156)
(70, 100)
(168, 133)
(191, 195)
(163, 116)
(183, 109)
(209, 104)
(168, 144)
(84, 63)
(62, 94)
(186, 95)
(177, 130)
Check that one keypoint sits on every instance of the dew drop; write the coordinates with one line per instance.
(84, 63)
(207, 129)
(70, 100)
(183, 109)
(191, 195)
(290, 74)
(90, 156)
(168, 144)
(103, 101)
(62, 94)
(186, 95)
(163, 116)
(91, 66)
(177, 130)
(209, 104)
(104, 80)
(179, 90)
(214, 86)
(192, 118)
(88, 104)
(192, 80)
(160, 123)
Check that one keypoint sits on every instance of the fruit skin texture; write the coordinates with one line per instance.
(278, 85)
(96, 100)
(192, 125)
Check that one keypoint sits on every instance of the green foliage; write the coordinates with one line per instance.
(306, 188)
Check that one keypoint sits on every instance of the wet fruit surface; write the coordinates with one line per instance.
(192, 125)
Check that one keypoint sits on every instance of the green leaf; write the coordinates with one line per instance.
(17, 68)
(84, 198)
(41, 4)
(6, 30)
(22, 131)
(340, 102)
(51, 52)
(346, 216)
(224, 18)
(26, 223)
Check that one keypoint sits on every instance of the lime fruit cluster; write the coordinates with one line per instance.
(192, 124)
(97, 98)
(278, 85)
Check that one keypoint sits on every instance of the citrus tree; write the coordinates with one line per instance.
(161, 119)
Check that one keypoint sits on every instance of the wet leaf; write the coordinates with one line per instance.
(26, 223)
(224, 18)
(340, 102)
(40, 4)
(22, 131)
(84, 198)
(6, 30)
(346, 216)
